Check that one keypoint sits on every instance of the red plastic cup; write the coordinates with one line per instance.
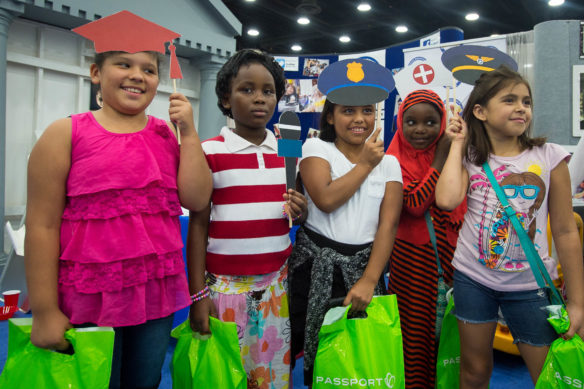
(11, 298)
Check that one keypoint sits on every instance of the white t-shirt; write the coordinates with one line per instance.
(354, 222)
(488, 249)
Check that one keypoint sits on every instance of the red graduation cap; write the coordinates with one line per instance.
(124, 31)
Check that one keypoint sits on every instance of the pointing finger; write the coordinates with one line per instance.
(375, 134)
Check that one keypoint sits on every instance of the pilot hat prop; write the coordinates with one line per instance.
(468, 62)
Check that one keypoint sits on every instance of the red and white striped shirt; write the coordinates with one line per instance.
(248, 234)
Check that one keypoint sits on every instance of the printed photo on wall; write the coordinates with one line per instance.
(311, 99)
(291, 99)
(313, 67)
(301, 96)
(313, 133)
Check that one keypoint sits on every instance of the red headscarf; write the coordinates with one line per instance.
(415, 165)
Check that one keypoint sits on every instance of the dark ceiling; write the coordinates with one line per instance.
(276, 21)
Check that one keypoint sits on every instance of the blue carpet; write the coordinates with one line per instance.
(509, 372)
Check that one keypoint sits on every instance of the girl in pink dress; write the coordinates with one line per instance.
(103, 242)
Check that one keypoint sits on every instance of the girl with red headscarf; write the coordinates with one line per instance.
(421, 149)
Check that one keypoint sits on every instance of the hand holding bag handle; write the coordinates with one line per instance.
(539, 271)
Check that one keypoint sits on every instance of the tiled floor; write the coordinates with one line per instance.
(509, 372)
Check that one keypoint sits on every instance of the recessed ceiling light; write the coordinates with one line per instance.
(253, 32)
(401, 29)
(555, 3)
(250, 1)
(472, 16)
(296, 47)
(303, 20)
(344, 39)
(364, 7)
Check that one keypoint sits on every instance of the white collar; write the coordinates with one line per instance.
(235, 143)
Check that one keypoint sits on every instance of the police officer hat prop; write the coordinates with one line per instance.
(356, 82)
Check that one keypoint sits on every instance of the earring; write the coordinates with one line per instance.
(99, 99)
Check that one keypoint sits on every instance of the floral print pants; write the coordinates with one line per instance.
(259, 307)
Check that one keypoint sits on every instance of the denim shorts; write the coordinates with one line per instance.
(524, 311)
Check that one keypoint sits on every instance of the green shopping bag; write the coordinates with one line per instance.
(361, 352)
(28, 366)
(207, 362)
(448, 358)
(564, 364)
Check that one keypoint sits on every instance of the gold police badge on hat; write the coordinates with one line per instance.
(356, 81)
(355, 71)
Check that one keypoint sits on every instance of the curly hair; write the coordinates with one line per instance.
(486, 87)
(243, 58)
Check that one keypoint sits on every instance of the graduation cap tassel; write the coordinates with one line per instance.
(175, 71)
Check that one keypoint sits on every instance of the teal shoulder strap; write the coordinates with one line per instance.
(433, 239)
(539, 271)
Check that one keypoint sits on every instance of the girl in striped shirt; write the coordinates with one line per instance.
(238, 246)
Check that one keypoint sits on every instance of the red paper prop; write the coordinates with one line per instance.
(124, 31)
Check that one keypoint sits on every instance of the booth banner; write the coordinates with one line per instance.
(376, 56)
(289, 64)
(433, 55)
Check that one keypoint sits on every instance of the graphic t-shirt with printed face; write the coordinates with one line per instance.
(488, 249)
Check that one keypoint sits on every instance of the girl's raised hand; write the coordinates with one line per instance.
(181, 113)
(372, 152)
(456, 130)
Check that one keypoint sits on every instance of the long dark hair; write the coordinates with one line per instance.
(486, 87)
(327, 130)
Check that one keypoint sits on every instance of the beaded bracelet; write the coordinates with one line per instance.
(204, 295)
(205, 291)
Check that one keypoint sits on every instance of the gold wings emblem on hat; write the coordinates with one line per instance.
(355, 71)
(480, 60)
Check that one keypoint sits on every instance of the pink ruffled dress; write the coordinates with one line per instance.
(121, 258)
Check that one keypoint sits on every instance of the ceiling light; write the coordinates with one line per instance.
(401, 29)
(250, 1)
(364, 7)
(344, 39)
(472, 16)
(555, 3)
(253, 32)
(303, 20)
(296, 47)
